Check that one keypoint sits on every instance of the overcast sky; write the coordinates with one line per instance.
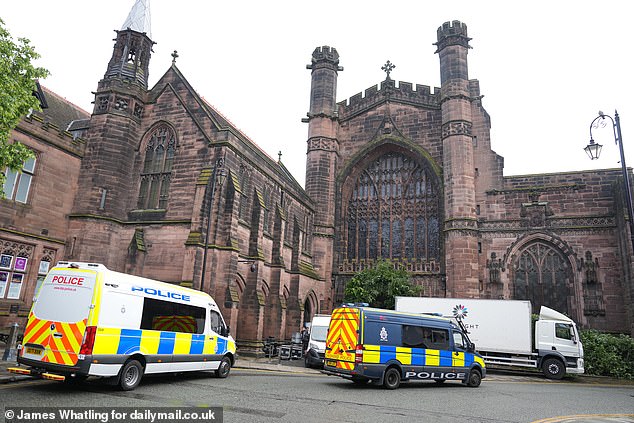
(545, 67)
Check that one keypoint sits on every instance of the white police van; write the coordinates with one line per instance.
(87, 320)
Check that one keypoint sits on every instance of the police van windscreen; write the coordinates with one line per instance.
(318, 333)
(65, 296)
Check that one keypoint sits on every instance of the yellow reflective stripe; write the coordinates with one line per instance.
(182, 343)
(150, 340)
(372, 354)
(457, 359)
(210, 345)
(404, 355)
(107, 341)
(432, 357)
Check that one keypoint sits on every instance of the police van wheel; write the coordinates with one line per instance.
(130, 375)
(553, 368)
(392, 378)
(475, 378)
(224, 368)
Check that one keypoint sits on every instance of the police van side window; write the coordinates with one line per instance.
(413, 336)
(215, 321)
(459, 342)
(438, 339)
(172, 317)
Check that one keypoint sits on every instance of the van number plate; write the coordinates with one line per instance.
(331, 363)
(34, 351)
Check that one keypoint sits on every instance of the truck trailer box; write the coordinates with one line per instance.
(493, 325)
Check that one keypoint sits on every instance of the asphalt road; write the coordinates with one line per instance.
(254, 395)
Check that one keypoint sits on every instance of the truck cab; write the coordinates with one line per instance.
(558, 344)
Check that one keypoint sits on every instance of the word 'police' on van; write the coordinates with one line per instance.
(87, 320)
(386, 347)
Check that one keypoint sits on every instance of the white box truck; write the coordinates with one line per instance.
(503, 334)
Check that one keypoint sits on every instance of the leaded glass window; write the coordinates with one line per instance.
(541, 276)
(393, 211)
(157, 169)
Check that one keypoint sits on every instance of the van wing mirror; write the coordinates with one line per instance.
(225, 330)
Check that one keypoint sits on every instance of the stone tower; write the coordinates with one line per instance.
(461, 240)
(106, 188)
(322, 153)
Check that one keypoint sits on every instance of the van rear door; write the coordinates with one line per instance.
(58, 318)
(343, 337)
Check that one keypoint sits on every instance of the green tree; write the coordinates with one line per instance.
(379, 285)
(17, 82)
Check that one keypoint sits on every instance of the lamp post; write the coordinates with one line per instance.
(217, 177)
(594, 150)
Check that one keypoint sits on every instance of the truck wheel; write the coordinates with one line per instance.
(131, 375)
(475, 378)
(224, 368)
(553, 368)
(392, 378)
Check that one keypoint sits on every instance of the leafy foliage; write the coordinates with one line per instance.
(608, 355)
(17, 83)
(379, 285)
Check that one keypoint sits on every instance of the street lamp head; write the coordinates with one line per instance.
(593, 149)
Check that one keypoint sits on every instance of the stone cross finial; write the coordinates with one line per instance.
(174, 56)
(279, 156)
(387, 68)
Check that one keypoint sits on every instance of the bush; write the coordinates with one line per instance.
(608, 355)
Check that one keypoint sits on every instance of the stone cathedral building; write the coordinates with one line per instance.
(157, 182)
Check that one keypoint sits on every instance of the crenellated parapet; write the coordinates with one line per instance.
(325, 57)
(422, 95)
(452, 33)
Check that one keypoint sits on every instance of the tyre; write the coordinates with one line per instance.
(224, 368)
(131, 375)
(475, 378)
(392, 378)
(553, 368)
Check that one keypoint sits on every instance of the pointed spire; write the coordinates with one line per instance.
(139, 18)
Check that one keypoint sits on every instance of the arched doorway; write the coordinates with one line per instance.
(542, 274)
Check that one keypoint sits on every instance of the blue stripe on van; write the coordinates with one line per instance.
(445, 358)
(221, 346)
(468, 359)
(197, 344)
(388, 352)
(418, 357)
(129, 341)
(166, 343)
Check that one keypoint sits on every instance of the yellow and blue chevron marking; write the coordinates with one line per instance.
(381, 354)
(127, 341)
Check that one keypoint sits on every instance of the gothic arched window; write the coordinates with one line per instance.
(157, 169)
(541, 276)
(394, 211)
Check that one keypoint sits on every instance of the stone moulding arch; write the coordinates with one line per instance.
(146, 135)
(311, 297)
(566, 251)
(396, 143)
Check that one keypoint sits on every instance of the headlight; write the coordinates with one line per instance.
(313, 346)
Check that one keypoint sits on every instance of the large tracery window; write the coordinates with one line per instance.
(541, 276)
(394, 211)
(157, 169)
